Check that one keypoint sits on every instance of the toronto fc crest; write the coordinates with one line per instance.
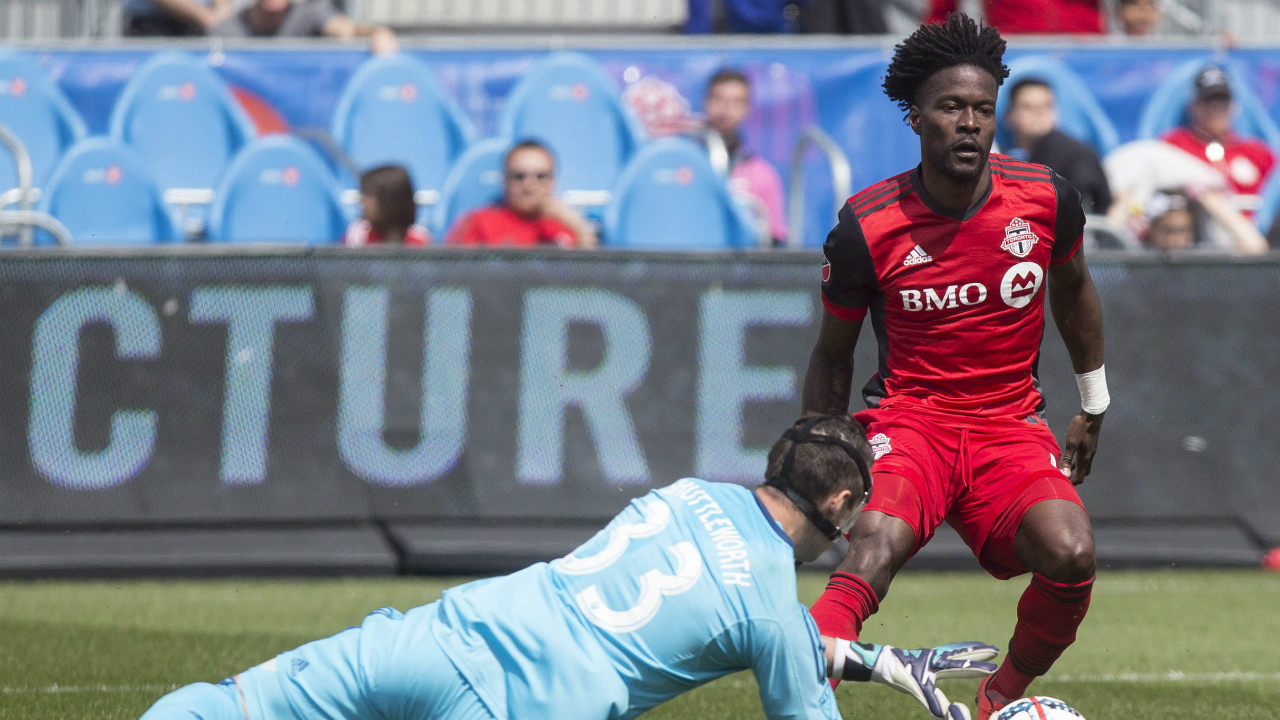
(1018, 238)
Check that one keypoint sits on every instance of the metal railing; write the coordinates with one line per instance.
(36, 20)
(841, 180)
(652, 15)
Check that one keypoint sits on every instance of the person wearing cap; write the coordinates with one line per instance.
(1244, 162)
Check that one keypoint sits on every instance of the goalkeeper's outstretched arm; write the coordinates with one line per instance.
(914, 672)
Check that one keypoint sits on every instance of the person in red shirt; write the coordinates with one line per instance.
(1016, 17)
(1243, 161)
(952, 262)
(387, 210)
(529, 213)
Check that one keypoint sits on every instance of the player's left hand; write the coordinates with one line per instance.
(1082, 444)
(915, 672)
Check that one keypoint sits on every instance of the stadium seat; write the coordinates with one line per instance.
(182, 119)
(103, 192)
(1268, 210)
(393, 111)
(474, 181)
(567, 102)
(34, 108)
(277, 190)
(1167, 107)
(669, 198)
(1079, 114)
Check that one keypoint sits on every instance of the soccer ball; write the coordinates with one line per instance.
(1038, 708)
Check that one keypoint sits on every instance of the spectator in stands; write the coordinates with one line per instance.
(1012, 17)
(302, 18)
(529, 213)
(726, 104)
(1173, 201)
(742, 16)
(1033, 118)
(388, 210)
(843, 17)
(171, 18)
(1245, 162)
(1138, 17)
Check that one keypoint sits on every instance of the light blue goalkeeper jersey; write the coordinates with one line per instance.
(690, 583)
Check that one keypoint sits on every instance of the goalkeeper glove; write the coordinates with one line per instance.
(915, 672)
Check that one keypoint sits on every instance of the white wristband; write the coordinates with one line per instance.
(1094, 398)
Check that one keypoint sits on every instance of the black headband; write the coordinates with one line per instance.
(782, 479)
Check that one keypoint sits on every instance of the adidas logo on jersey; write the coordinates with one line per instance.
(917, 256)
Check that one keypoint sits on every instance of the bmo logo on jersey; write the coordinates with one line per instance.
(952, 297)
(1021, 283)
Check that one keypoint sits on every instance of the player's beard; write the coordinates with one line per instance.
(963, 172)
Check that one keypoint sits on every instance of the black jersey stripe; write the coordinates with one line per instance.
(876, 196)
(878, 190)
(871, 199)
(883, 204)
(1018, 176)
(1019, 166)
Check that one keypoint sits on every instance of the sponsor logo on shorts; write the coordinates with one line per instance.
(880, 446)
(296, 666)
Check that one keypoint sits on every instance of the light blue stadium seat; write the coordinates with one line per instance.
(104, 193)
(1167, 107)
(669, 198)
(34, 108)
(474, 182)
(182, 119)
(1079, 113)
(567, 102)
(277, 190)
(394, 111)
(1268, 211)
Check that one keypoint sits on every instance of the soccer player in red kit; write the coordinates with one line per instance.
(952, 261)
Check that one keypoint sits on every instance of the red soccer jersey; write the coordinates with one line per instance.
(956, 299)
(1244, 162)
(1012, 17)
(500, 225)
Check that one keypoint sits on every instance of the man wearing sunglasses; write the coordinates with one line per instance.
(689, 583)
(529, 213)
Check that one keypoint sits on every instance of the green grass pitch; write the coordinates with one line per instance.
(1156, 645)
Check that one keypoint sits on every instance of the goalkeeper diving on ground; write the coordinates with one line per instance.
(689, 583)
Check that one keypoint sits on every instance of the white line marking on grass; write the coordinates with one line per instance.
(1173, 676)
(70, 689)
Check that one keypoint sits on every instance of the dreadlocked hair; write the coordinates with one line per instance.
(958, 40)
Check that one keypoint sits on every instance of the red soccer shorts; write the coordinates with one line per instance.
(980, 475)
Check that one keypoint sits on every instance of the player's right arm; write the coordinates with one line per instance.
(848, 282)
(790, 667)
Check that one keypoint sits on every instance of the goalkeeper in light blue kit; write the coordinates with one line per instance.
(689, 583)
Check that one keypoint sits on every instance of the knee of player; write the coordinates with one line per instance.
(1072, 558)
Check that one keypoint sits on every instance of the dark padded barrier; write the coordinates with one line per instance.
(245, 551)
(456, 548)
(258, 387)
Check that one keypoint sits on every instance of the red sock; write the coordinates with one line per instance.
(1048, 615)
(846, 603)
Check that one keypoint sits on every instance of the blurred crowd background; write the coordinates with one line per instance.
(585, 123)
